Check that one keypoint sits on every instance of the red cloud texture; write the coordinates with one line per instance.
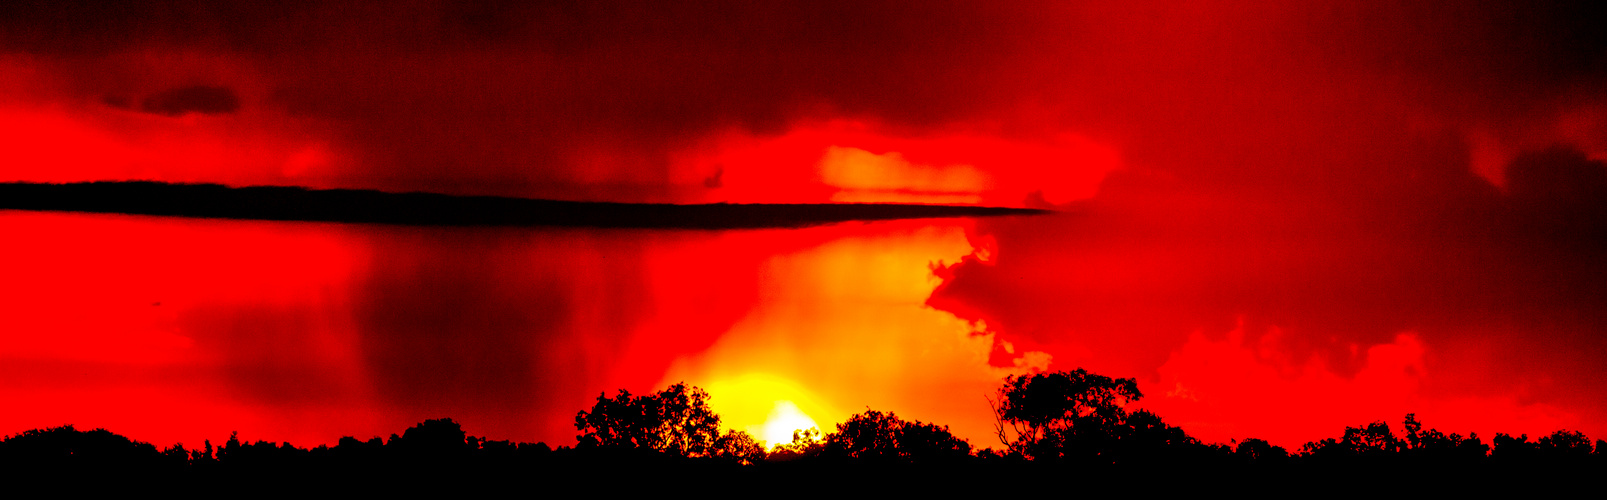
(1342, 174)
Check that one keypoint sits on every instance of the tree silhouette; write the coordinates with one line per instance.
(677, 421)
(1048, 412)
(68, 448)
(1375, 438)
(1375, 441)
(1371, 440)
(1435, 445)
(1141, 436)
(1565, 444)
(739, 447)
(437, 439)
(883, 437)
(1260, 451)
(1506, 447)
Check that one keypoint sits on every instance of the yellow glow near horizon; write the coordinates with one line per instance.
(763, 405)
(785, 418)
(843, 327)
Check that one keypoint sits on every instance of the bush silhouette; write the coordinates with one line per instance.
(1260, 451)
(68, 447)
(438, 439)
(883, 437)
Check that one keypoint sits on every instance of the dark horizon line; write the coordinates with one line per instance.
(364, 206)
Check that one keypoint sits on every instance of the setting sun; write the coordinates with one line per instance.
(785, 418)
(766, 406)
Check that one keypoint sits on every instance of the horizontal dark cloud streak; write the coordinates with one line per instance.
(429, 209)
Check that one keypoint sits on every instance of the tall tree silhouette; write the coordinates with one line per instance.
(1049, 411)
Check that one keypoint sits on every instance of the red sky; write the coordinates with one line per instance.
(1281, 218)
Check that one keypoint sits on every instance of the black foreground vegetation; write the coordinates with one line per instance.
(1052, 428)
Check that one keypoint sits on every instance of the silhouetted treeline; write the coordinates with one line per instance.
(365, 206)
(434, 445)
(1050, 425)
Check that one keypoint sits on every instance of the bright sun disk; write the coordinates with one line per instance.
(785, 417)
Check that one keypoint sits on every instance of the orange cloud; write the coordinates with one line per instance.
(859, 161)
